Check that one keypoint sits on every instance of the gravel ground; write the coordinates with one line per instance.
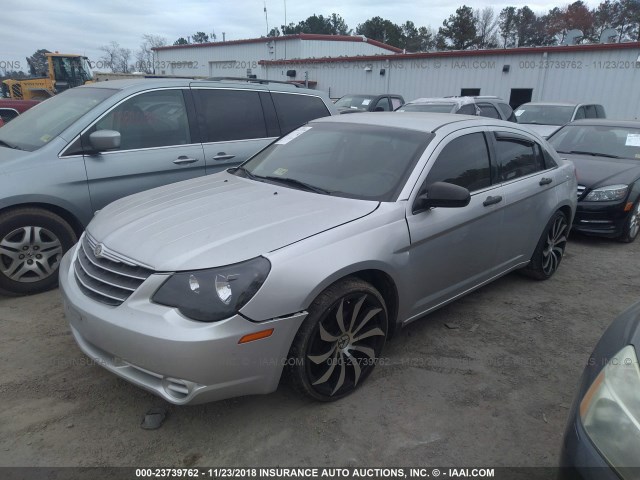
(495, 390)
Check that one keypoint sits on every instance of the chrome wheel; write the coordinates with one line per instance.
(29, 254)
(555, 245)
(634, 222)
(346, 345)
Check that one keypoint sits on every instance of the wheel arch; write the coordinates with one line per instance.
(73, 221)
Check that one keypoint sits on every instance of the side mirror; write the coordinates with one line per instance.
(104, 140)
(441, 194)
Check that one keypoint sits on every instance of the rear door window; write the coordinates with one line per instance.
(225, 115)
(591, 111)
(517, 157)
(382, 105)
(295, 109)
(467, 110)
(487, 110)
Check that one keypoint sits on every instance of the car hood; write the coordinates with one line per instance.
(593, 172)
(216, 220)
(543, 130)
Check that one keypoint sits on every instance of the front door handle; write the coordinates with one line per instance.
(545, 181)
(492, 200)
(223, 156)
(183, 160)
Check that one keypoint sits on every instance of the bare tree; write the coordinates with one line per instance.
(111, 55)
(486, 27)
(144, 55)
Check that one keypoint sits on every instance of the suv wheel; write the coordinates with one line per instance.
(32, 243)
(340, 342)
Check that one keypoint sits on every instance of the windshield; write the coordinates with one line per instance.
(608, 141)
(355, 102)
(544, 114)
(348, 160)
(429, 107)
(39, 125)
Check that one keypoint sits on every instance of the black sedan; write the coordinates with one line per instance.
(602, 438)
(606, 154)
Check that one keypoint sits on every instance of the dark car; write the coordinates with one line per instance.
(485, 106)
(602, 438)
(10, 109)
(606, 154)
(369, 103)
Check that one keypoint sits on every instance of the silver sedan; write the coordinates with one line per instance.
(311, 254)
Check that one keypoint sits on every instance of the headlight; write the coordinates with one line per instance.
(606, 194)
(213, 294)
(610, 410)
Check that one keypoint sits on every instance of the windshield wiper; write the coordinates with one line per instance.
(15, 147)
(297, 183)
(579, 152)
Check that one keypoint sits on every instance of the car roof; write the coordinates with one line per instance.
(420, 121)
(607, 123)
(146, 83)
(557, 104)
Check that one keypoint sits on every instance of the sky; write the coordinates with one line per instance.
(79, 26)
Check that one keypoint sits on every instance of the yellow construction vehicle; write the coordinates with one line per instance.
(63, 72)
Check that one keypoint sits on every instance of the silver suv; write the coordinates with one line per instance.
(312, 253)
(545, 118)
(483, 106)
(79, 151)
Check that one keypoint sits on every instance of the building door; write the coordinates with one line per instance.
(520, 96)
(469, 92)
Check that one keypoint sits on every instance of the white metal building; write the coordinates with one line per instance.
(602, 73)
(239, 58)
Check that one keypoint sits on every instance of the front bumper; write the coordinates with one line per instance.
(180, 360)
(600, 218)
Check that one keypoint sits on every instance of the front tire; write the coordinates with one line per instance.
(550, 249)
(32, 243)
(340, 342)
(632, 225)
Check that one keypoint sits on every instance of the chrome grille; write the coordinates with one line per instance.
(106, 280)
(581, 189)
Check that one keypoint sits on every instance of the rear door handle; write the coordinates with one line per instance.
(492, 200)
(183, 160)
(545, 181)
(223, 156)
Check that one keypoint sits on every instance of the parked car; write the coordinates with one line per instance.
(368, 103)
(492, 107)
(606, 154)
(84, 148)
(545, 118)
(602, 438)
(312, 253)
(10, 109)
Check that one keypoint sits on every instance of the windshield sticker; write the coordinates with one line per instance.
(366, 101)
(519, 112)
(295, 134)
(633, 140)
(45, 138)
(280, 171)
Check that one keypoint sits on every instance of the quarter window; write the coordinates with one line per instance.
(295, 110)
(518, 158)
(154, 119)
(7, 114)
(225, 115)
(464, 162)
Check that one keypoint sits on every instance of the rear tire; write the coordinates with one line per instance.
(340, 342)
(32, 243)
(550, 249)
(632, 225)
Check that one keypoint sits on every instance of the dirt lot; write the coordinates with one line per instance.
(495, 391)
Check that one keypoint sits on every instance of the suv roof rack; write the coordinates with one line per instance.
(254, 80)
